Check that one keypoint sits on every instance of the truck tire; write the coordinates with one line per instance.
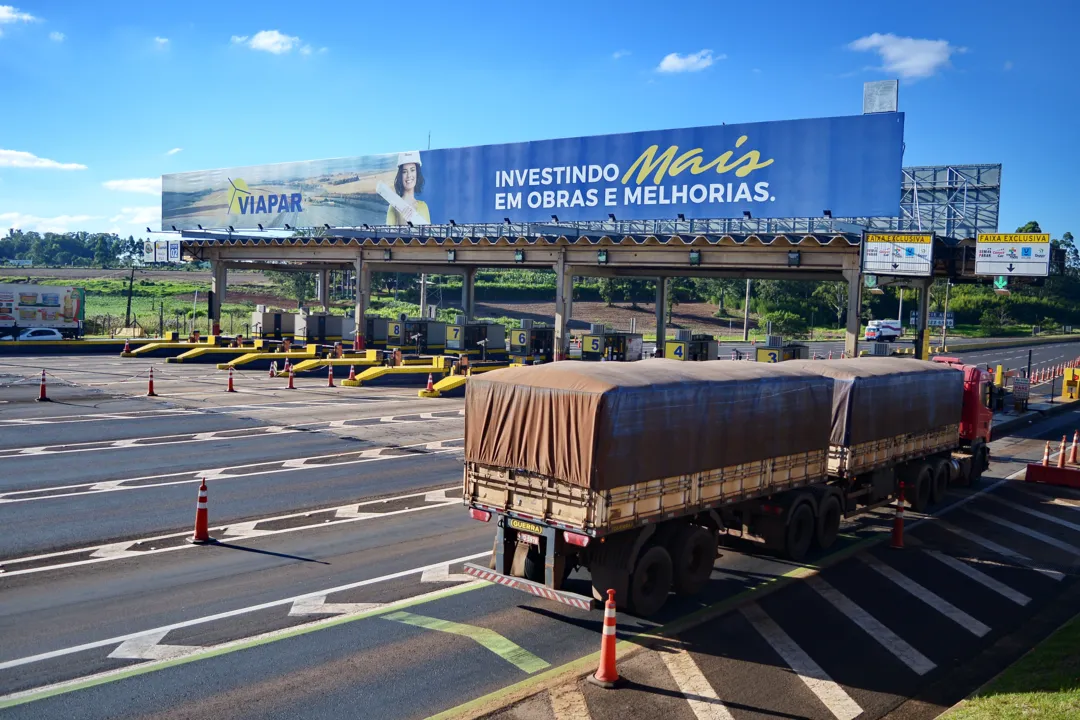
(940, 484)
(799, 533)
(979, 462)
(693, 552)
(828, 521)
(651, 581)
(919, 482)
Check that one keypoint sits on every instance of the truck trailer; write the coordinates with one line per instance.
(635, 471)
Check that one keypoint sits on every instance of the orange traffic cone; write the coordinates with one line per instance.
(606, 676)
(150, 385)
(201, 535)
(1061, 453)
(830, 354)
(42, 397)
(1073, 449)
(330, 376)
(230, 388)
(430, 383)
(273, 369)
(127, 348)
(898, 520)
(352, 372)
(287, 369)
(290, 385)
(1046, 455)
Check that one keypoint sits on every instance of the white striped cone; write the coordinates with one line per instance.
(202, 520)
(607, 675)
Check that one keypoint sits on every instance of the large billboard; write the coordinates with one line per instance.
(849, 166)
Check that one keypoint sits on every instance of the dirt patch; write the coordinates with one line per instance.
(15, 273)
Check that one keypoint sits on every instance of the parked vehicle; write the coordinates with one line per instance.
(35, 334)
(634, 471)
(884, 330)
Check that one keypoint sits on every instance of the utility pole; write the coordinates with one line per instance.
(131, 283)
(746, 314)
(945, 318)
(900, 312)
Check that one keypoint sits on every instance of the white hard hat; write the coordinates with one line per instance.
(412, 156)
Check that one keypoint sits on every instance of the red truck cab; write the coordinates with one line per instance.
(976, 415)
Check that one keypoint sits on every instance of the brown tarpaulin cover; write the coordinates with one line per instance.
(877, 398)
(606, 425)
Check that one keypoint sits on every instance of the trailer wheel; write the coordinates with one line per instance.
(921, 481)
(940, 484)
(799, 532)
(828, 522)
(693, 552)
(651, 581)
(980, 460)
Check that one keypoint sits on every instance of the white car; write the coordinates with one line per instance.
(883, 330)
(36, 334)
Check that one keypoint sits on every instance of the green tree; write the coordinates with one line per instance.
(784, 322)
(834, 295)
(297, 285)
(1029, 227)
(102, 253)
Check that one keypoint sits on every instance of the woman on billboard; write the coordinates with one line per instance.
(405, 207)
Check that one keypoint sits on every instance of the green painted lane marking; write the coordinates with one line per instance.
(67, 686)
(508, 650)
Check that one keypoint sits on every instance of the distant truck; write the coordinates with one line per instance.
(635, 470)
(42, 306)
(883, 330)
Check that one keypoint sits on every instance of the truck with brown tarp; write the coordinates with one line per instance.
(634, 471)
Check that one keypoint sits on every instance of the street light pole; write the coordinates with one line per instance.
(945, 317)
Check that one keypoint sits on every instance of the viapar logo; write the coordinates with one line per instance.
(242, 201)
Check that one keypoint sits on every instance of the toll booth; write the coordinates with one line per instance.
(272, 324)
(322, 328)
(687, 346)
(423, 336)
(776, 350)
(531, 343)
(602, 344)
(477, 339)
(381, 333)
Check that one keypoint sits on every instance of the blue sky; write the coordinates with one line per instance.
(100, 98)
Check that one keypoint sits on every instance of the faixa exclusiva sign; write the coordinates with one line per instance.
(798, 168)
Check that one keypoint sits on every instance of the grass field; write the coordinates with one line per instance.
(1043, 685)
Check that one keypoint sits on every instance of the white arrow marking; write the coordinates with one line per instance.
(319, 606)
(246, 529)
(438, 496)
(442, 574)
(354, 512)
(114, 551)
(146, 647)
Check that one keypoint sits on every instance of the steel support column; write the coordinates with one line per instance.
(661, 317)
(323, 290)
(564, 293)
(218, 281)
(423, 295)
(922, 332)
(854, 305)
(468, 293)
(362, 291)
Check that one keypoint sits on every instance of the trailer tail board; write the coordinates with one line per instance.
(538, 589)
(868, 456)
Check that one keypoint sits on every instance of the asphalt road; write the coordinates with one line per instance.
(336, 587)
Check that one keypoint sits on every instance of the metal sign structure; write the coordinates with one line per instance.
(934, 319)
(910, 254)
(1004, 254)
(161, 251)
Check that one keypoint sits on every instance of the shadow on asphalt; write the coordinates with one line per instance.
(232, 546)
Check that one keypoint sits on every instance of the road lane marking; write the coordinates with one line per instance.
(235, 531)
(1035, 534)
(568, 703)
(30, 659)
(889, 640)
(443, 574)
(319, 606)
(505, 648)
(694, 686)
(999, 549)
(980, 577)
(149, 647)
(932, 599)
(1034, 513)
(834, 697)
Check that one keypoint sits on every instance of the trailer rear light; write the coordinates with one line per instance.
(575, 539)
(772, 509)
(481, 515)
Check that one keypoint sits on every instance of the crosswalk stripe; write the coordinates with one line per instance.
(828, 691)
(889, 640)
(567, 703)
(1034, 513)
(934, 600)
(1041, 537)
(982, 578)
(694, 686)
(999, 549)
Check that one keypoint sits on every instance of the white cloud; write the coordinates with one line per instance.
(675, 63)
(910, 58)
(141, 216)
(58, 224)
(270, 41)
(324, 50)
(22, 159)
(161, 42)
(1008, 65)
(306, 50)
(9, 14)
(57, 36)
(174, 151)
(147, 186)
(619, 54)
